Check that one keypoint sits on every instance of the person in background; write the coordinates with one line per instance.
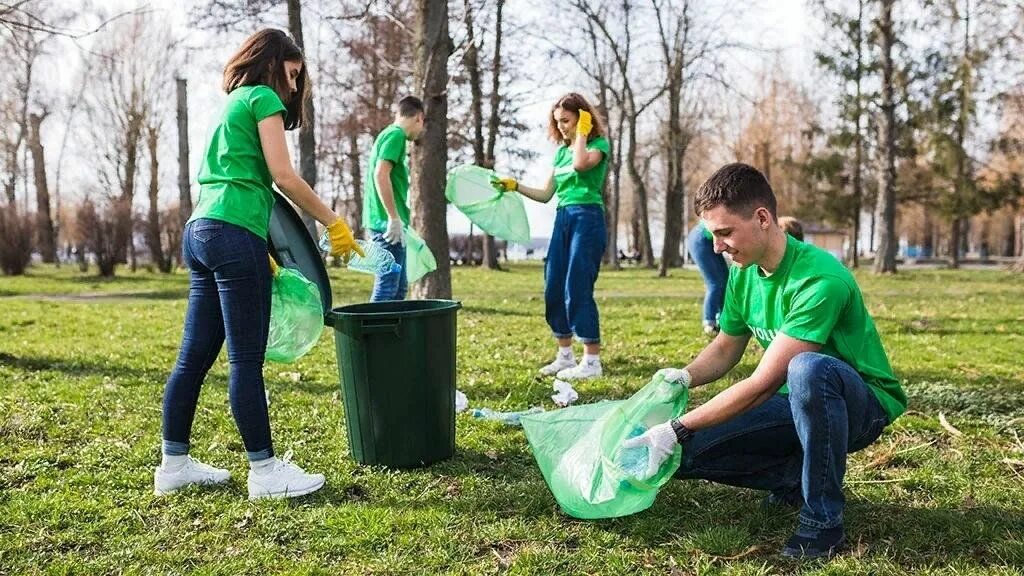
(386, 197)
(715, 271)
(792, 226)
(579, 236)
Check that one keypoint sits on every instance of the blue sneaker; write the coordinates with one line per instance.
(827, 543)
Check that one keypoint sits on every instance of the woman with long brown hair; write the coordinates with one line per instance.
(225, 247)
(578, 239)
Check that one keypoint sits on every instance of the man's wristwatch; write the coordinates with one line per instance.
(682, 432)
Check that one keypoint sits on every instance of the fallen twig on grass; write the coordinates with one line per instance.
(1014, 464)
(884, 459)
(949, 427)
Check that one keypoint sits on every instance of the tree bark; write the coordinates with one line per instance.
(184, 178)
(47, 244)
(490, 251)
(430, 155)
(885, 258)
(307, 132)
(858, 155)
(355, 171)
(124, 234)
(481, 147)
(673, 45)
(156, 251)
(961, 181)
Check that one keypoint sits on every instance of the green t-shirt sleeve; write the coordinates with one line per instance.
(600, 143)
(816, 308)
(264, 103)
(392, 146)
(731, 319)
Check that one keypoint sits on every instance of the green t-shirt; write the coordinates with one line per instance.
(574, 188)
(812, 297)
(234, 181)
(390, 146)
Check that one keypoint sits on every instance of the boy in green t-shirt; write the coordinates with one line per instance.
(386, 194)
(823, 388)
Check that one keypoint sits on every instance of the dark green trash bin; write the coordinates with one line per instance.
(396, 360)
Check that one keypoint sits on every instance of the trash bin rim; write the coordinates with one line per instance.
(341, 312)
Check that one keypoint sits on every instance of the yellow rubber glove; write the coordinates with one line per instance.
(585, 124)
(505, 184)
(343, 244)
(273, 265)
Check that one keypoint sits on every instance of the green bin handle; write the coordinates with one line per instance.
(377, 326)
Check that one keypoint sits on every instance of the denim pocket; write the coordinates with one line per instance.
(207, 231)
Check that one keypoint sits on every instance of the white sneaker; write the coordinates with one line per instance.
(560, 363)
(585, 370)
(284, 480)
(192, 472)
(711, 330)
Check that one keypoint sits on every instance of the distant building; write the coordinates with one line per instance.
(832, 240)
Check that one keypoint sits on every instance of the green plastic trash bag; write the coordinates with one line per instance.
(579, 451)
(419, 260)
(501, 214)
(296, 316)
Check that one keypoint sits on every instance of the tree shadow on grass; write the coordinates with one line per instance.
(907, 535)
(491, 311)
(78, 367)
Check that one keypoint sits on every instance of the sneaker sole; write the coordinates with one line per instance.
(166, 491)
(288, 493)
(800, 554)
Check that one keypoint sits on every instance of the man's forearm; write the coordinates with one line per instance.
(737, 399)
(387, 195)
(715, 361)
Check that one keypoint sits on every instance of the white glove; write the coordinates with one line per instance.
(660, 441)
(679, 376)
(395, 233)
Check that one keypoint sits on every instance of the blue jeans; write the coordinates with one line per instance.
(799, 441)
(573, 261)
(713, 268)
(228, 298)
(393, 285)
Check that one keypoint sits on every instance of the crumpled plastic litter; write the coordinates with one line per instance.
(564, 394)
(507, 418)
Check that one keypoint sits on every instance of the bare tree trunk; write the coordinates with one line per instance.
(672, 44)
(885, 258)
(639, 188)
(156, 251)
(471, 60)
(1018, 266)
(124, 235)
(490, 251)
(858, 188)
(44, 222)
(355, 172)
(433, 47)
(184, 178)
(616, 195)
(307, 132)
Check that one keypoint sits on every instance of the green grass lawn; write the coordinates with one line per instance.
(83, 362)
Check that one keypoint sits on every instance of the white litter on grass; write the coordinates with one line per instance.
(564, 394)
(293, 377)
(461, 402)
(267, 392)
